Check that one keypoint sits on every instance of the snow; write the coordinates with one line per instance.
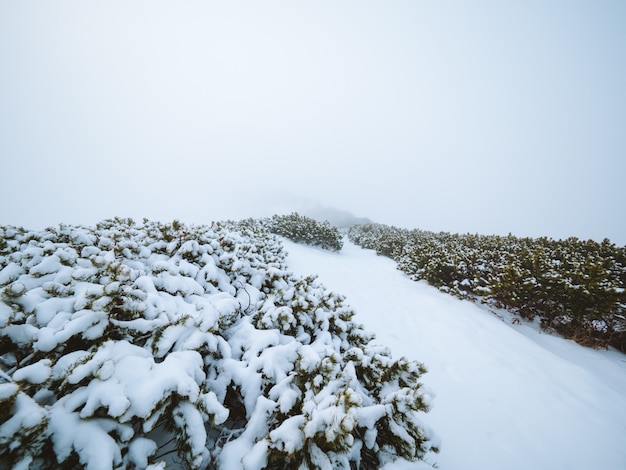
(289, 434)
(49, 265)
(36, 373)
(139, 450)
(10, 273)
(190, 422)
(235, 450)
(95, 448)
(28, 416)
(506, 395)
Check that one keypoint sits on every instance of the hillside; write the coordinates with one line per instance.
(506, 394)
(151, 346)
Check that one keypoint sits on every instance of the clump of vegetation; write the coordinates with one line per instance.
(574, 287)
(302, 229)
(148, 345)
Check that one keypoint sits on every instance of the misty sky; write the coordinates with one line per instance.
(483, 116)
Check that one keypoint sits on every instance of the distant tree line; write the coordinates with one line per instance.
(575, 287)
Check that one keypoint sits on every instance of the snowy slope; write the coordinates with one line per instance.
(507, 396)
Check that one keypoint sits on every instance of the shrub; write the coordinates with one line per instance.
(138, 346)
(302, 229)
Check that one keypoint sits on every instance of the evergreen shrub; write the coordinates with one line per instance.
(303, 229)
(151, 345)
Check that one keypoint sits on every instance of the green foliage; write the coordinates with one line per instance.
(302, 229)
(575, 287)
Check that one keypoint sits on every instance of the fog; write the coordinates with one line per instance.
(483, 117)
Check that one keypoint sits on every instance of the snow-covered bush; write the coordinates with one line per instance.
(303, 229)
(153, 345)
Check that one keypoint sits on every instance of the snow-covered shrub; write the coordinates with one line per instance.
(144, 346)
(575, 287)
(303, 229)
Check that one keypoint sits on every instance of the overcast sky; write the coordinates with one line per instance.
(483, 116)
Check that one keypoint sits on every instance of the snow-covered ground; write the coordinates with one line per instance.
(506, 395)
